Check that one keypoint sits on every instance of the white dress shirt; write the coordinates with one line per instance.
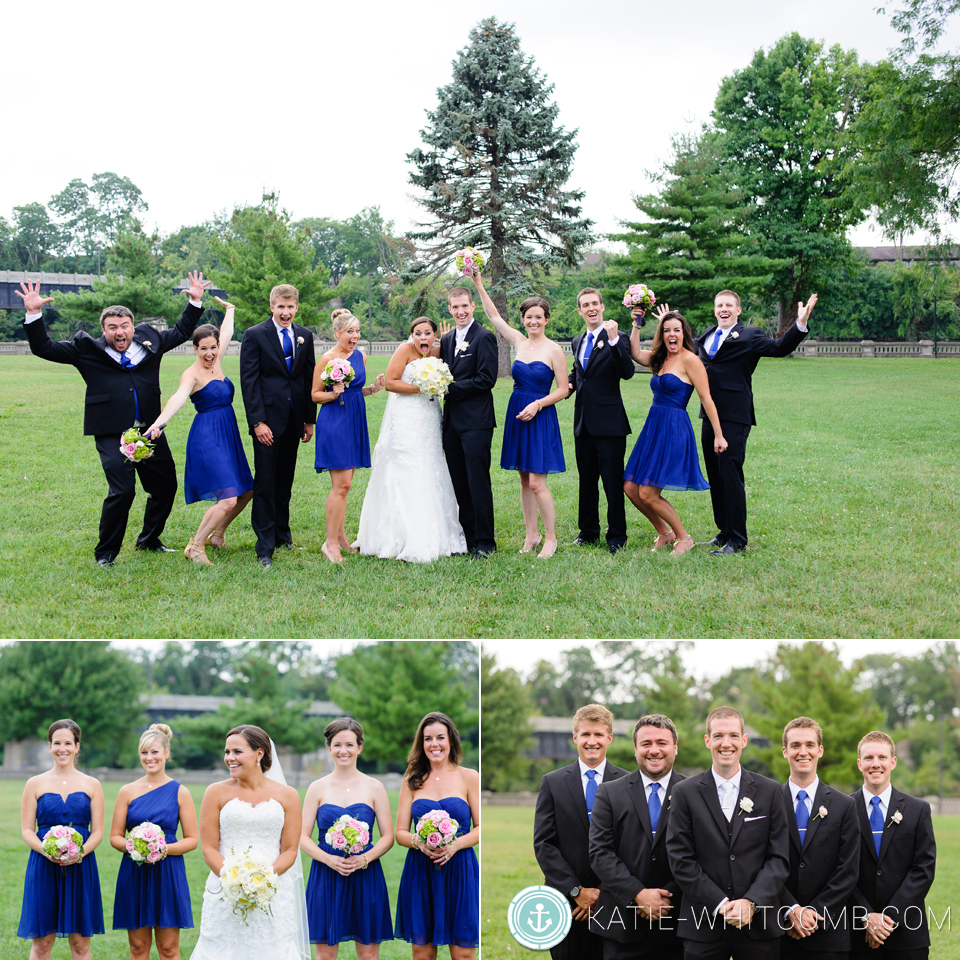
(584, 779)
(884, 800)
(612, 342)
(664, 786)
(811, 793)
(293, 339)
(728, 805)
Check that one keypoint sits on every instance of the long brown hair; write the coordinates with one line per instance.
(659, 348)
(418, 764)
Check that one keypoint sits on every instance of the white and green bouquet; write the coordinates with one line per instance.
(248, 882)
(432, 376)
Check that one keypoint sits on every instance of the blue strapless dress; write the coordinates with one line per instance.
(343, 442)
(216, 466)
(61, 900)
(440, 906)
(665, 455)
(156, 895)
(533, 446)
(347, 908)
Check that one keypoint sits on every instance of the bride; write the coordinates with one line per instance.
(409, 509)
(256, 809)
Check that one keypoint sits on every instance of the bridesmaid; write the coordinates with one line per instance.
(154, 897)
(61, 900)
(439, 903)
(347, 895)
(343, 443)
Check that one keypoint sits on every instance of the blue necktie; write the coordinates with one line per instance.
(287, 347)
(129, 364)
(803, 815)
(654, 806)
(588, 350)
(715, 346)
(591, 791)
(876, 823)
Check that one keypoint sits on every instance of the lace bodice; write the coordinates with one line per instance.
(258, 827)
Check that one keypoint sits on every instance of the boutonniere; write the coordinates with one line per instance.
(147, 343)
(746, 806)
(462, 346)
(299, 341)
(821, 813)
(600, 343)
(895, 818)
(735, 335)
(669, 795)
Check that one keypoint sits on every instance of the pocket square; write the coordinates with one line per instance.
(748, 819)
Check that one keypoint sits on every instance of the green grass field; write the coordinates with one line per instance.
(113, 945)
(852, 490)
(508, 866)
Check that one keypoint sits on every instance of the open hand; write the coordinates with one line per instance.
(223, 303)
(32, 301)
(803, 312)
(660, 311)
(444, 328)
(197, 285)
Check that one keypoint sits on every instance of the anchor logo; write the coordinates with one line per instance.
(540, 926)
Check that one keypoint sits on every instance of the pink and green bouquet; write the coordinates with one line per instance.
(61, 843)
(146, 843)
(469, 261)
(432, 376)
(437, 829)
(639, 295)
(337, 371)
(348, 835)
(134, 445)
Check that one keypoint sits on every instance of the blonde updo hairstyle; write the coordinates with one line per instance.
(342, 318)
(156, 731)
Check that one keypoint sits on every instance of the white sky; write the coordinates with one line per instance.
(205, 104)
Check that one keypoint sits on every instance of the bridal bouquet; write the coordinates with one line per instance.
(469, 261)
(432, 376)
(337, 371)
(639, 295)
(248, 883)
(134, 446)
(61, 843)
(348, 835)
(146, 843)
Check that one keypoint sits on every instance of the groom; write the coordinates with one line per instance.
(470, 351)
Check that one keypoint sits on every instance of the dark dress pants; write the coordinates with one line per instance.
(725, 476)
(649, 948)
(579, 944)
(274, 469)
(468, 460)
(733, 943)
(158, 475)
(601, 459)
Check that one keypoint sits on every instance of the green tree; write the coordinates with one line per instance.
(389, 686)
(35, 237)
(560, 689)
(196, 668)
(84, 680)
(494, 172)
(258, 248)
(810, 681)
(188, 249)
(505, 725)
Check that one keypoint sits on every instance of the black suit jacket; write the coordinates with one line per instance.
(109, 405)
(627, 858)
(730, 372)
(712, 859)
(561, 837)
(823, 872)
(267, 385)
(469, 401)
(598, 407)
(897, 881)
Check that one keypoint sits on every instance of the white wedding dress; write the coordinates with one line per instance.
(410, 510)
(282, 936)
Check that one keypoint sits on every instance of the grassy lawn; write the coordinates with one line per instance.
(113, 945)
(508, 866)
(852, 490)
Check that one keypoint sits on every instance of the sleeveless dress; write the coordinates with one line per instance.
(440, 906)
(347, 908)
(533, 446)
(341, 432)
(156, 895)
(410, 510)
(57, 899)
(216, 466)
(665, 454)
(280, 936)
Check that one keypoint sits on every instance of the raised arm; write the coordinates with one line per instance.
(188, 381)
(512, 336)
(697, 372)
(226, 328)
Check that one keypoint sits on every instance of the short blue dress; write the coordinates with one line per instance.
(532, 446)
(440, 906)
(216, 465)
(347, 908)
(343, 441)
(156, 895)
(665, 454)
(61, 900)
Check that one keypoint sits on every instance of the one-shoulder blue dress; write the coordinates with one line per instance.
(440, 906)
(216, 465)
(532, 446)
(347, 908)
(61, 900)
(343, 441)
(665, 454)
(154, 895)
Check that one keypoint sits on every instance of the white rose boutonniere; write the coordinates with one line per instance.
(147, 344)
(746, 806)
(600, 343)
(299, 341)
(821, 813)
(463, 346)
(735, 335)
(895, 818)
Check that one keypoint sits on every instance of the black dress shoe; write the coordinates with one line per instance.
(480, 554)
(614, 547)
(288, 545)
(265, 562)
(158, 547)
(105, 562)
(715, 542)
(581, 542)
(726, 551)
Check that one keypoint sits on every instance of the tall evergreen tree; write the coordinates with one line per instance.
(494, 172)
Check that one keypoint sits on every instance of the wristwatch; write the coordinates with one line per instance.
(575, 892)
